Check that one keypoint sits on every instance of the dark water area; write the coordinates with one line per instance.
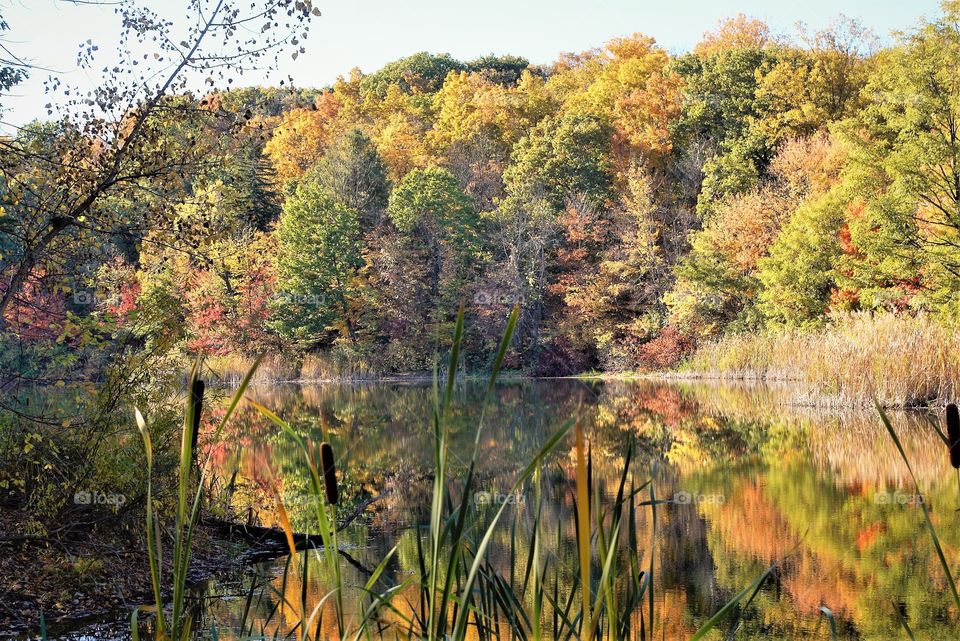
(751, 480)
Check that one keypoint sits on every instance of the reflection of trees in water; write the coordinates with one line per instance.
(837, 548)
(851, 442)
(799, 486)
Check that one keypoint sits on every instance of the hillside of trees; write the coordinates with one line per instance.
(633, 203)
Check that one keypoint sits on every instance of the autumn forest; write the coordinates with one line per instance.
(633, 203)
(232, 306)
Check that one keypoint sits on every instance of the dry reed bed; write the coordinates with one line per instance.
(903, 361)
(274, 368)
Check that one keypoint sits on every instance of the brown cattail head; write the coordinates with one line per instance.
(196, 402)
(953, 434)
(329, 473)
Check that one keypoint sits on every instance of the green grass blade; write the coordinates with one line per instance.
(504, 345)
(903, 622)
(716, 618)
(454, 359)
(923, 506)
(833, 623)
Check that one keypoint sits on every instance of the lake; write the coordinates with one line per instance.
(750, 480)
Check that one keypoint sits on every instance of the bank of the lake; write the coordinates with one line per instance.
(901, 361)
(92, 574)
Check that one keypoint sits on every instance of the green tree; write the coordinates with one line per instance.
(318, 256)
(719, 105)
(420, 73)
(353, 172)
(504, 70)
(563, 159)
(429, 206)
(907, 170)
(800, 274)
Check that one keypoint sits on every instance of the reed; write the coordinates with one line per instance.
(329, 473)
(953, 434)
(177, 624)
(231, 369)
(899, 360)
(611, 594)
(338, 364)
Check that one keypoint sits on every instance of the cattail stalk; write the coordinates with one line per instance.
(953, 434)
(196, 401)
(329, 473)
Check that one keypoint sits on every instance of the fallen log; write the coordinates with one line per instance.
(270, 543)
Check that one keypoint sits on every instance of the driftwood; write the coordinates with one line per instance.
(270, 543)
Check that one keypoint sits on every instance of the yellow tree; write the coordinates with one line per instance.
(739, 32)
(401, 122)
(632, 89)
(301, 137)
(805, 89)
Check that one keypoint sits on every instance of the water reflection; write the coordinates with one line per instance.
(753, 480)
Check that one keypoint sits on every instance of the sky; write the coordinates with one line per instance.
(369, 33)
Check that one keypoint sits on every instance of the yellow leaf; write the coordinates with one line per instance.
(285, 522)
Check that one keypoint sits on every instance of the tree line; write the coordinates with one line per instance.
(632, 203)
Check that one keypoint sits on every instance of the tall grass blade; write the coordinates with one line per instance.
(833, 623)
(716, 618)
(287, 530)
(153, 555)
(903, 622)
(583, 531)
(923, 507)
(504, 346)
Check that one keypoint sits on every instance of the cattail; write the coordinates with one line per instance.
(196, 402)
(953, 434)
(329, 473)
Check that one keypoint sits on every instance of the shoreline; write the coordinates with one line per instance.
(801, 393)
(89, 604)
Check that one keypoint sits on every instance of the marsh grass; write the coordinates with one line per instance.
(177, 623)
(459, 591)
(336, 365)
(899, 360)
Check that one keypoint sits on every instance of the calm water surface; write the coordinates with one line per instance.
(752, 481)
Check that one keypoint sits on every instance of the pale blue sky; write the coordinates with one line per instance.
(369, 33)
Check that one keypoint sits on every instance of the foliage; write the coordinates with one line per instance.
(420, 73)
(318, 254)
(619, 195)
